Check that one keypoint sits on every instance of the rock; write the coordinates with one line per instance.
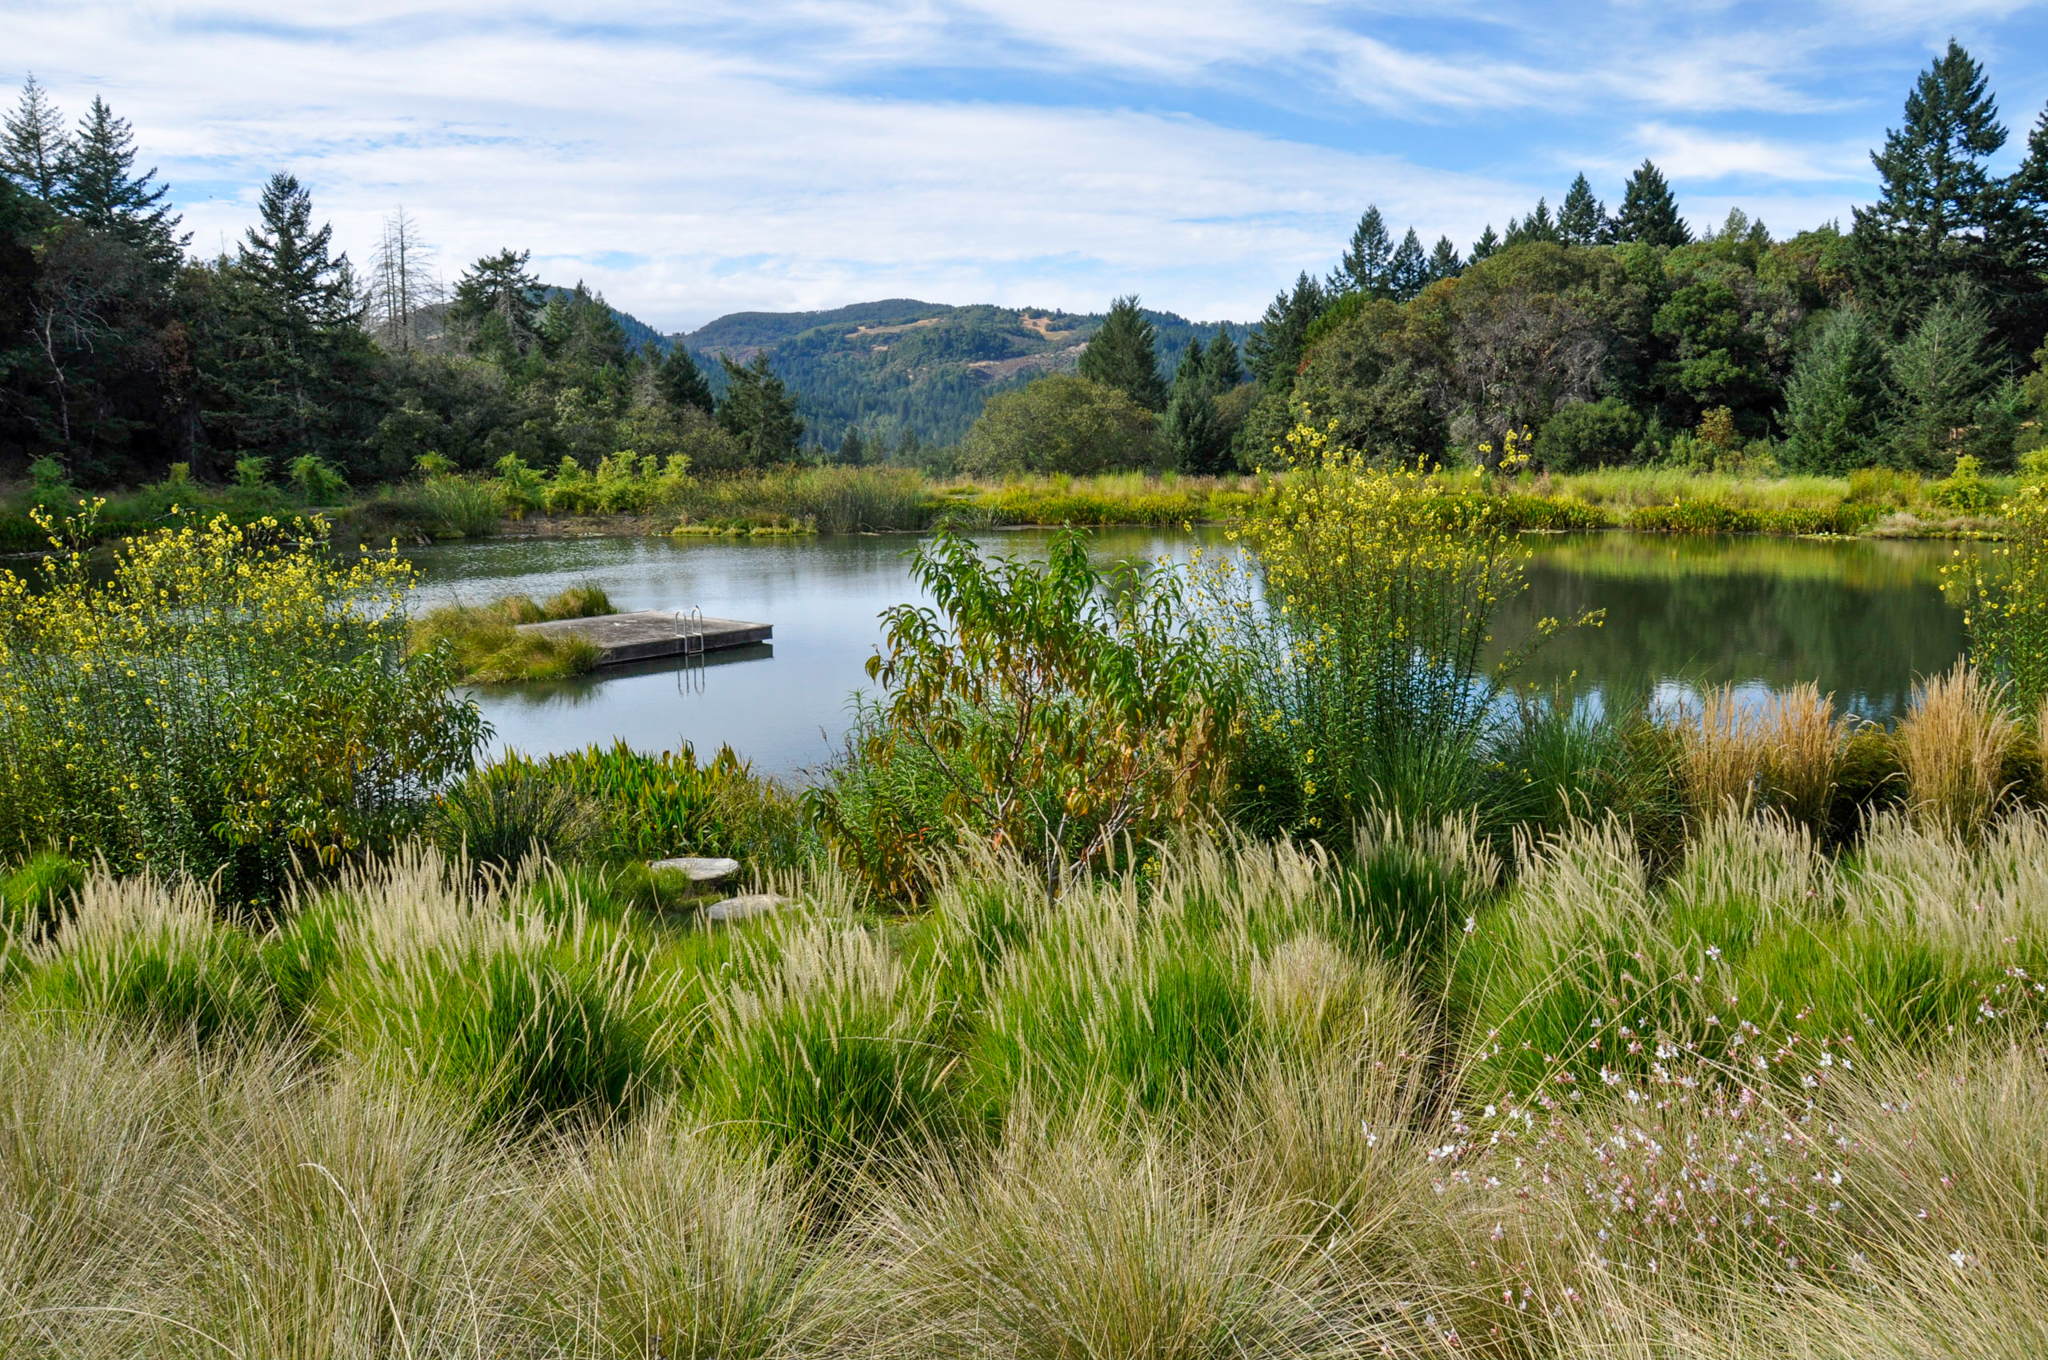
(699, 870)
(744, 907)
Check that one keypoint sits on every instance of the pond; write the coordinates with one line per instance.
(1862, 618)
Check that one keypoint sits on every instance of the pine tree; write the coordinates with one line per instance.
(1582, 220)
(495, 306)
(1955, 392)
(1486, 245)
(1649, 212)
(1121, 354)
(1273, 352)
(1443, 261)
(759, 412)
(682, 382)
(853, 450)
(1408, 271)
(1365, 265)
(101, 190)
(1836, 398)
(1221, 363)
(2024, 238)
(1194, 432)
(34, 151)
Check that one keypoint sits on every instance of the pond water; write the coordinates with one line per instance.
(1864, 619)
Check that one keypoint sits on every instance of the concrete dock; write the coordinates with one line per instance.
(648, 634)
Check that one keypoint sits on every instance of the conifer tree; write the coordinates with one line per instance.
(1582, 220)
(1367, 261)
(1408, 271)
(1443, 261)
(1122, 355)
(34, 150)
(1194, 432)
(1938, 204)
(495, 306)
(1954, 388)
(1486, 245)
(101, 190)
(682, 382)
(1221, 364)
(1273, 351)
(1836, 398)
(759, 411)
(853, 450)
(1649, 212)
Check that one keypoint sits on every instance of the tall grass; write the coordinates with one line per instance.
(1212, 1103)
(487, 646)
(1784, 752)
(1953, 746)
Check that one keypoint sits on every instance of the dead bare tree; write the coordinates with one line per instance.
(404, 284)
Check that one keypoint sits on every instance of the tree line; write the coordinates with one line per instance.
(1612, 338)
(120, 356)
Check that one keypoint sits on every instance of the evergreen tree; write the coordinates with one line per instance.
(853, 451)
(1408, 271)
(495, 305)
(1367, 263)
(1955, 392)
(1649, 212)
(1486, 245)
(297, 337)
(2024, 239)
(1537, 226)
(759, 412)
(1273, 352)
(101, 190)
(1443, 261)
(1836, 398)
(34, 151)
(1221, 364)
(1122, 355)
(1194, 432)
(682, 382)
(1582, 220)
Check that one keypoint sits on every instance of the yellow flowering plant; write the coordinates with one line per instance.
(1361, 630)
(2004, 597)
(221, 699)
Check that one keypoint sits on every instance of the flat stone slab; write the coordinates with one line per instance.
(744, 907)
(699, 870)
(647, 633)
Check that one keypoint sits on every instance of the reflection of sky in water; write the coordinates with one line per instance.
(1862, 619)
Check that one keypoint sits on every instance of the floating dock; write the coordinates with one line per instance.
(649, 634)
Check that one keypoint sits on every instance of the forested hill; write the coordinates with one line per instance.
(902, 366)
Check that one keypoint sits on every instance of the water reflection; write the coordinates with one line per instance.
(1864, 619)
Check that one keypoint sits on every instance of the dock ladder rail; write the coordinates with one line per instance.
(690, 630)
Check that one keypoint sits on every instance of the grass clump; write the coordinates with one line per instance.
(37, 895)
(1953, 747)
(486, 645)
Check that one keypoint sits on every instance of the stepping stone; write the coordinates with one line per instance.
(743, 907)
(699, 870)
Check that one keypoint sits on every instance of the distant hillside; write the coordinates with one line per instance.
(902, 365)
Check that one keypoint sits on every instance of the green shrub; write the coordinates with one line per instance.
(316, 482)
(1062, 423)
(1588, 434)
(504, 813)
(2005, 599)
(218, 701)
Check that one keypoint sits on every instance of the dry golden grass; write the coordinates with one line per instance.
(1783, 753)
(1952, 746)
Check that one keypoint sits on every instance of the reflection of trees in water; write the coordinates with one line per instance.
(1864, 624)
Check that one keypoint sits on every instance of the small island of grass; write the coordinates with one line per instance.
(488, 646)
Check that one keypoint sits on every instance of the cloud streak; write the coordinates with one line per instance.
(730, 155)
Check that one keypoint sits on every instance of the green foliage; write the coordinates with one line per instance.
(1066, 423)
(504, 813)
(758, 412)
(484, 644)
(1837, 398)
(1122, 354)
(37, 894)
(1954, 395)
(1589, 434)
(1649, 213)
(222, 699)
(1066, 711)
(2005, 599)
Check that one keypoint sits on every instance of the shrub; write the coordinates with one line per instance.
(1062, 423)
(1361, 660)
(1782, 751)
(2004, 598)
(222, 698)
(316, 482)
(1964, 490)
(1063, 715)
(1589, 434)
(507, 812)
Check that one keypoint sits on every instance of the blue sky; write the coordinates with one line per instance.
(692, 160)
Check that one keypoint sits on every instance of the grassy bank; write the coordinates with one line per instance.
(486, 644)
(647, 500)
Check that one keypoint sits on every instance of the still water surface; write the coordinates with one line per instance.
(1864, 619)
